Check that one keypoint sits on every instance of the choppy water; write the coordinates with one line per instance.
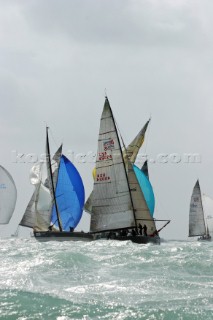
(105, 280)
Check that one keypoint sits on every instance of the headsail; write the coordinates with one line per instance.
(142, 213)
(146, 188)
(133, 148)
(69, 195)
(8, 196)
(196, 213)
(208, 212)
(111, 201)
(38, 212)
(39, 209)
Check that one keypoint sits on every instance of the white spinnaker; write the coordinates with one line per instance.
(208, 212)
(111, 201)
(8, 196)
(196, 213)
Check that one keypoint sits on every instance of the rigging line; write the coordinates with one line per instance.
(124, 146)
(51, 178)
(52, 136)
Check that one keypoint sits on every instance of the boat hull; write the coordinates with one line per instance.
(81, 236)
(205, 238)
(62, 236)
(140, 239)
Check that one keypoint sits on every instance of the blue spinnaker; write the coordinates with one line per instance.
(146, 188)
(70, 195)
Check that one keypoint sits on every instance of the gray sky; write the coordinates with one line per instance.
(153, 57)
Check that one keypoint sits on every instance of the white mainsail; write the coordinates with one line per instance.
(8, 196)
(117, 201)
(196, 213)
(111, 200)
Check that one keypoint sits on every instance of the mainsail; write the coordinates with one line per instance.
(8, 196)
(117, 201)
(111, 200)
(196, 214)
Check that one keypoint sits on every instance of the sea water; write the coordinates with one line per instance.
(105, 280)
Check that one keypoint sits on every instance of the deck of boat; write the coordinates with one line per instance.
(141, 239)
(62, 236)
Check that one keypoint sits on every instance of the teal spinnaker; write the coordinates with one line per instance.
(146, 188)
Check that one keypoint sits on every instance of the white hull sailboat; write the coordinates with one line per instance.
(56, 206)
(117, 204)
(198, 225)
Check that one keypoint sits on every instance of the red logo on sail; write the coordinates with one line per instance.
(102, 177)
(109, 145)
(104, 156)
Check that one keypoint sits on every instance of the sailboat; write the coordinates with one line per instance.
(8, 196)
(56, 206)
(117, 202)
(197, 219)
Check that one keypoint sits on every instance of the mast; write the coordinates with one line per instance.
(51, 179)
(123, 165)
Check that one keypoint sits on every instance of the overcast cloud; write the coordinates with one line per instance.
(152, 57)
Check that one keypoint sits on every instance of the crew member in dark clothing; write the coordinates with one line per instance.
(133, 232)
(145, 230)
(140, 228)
